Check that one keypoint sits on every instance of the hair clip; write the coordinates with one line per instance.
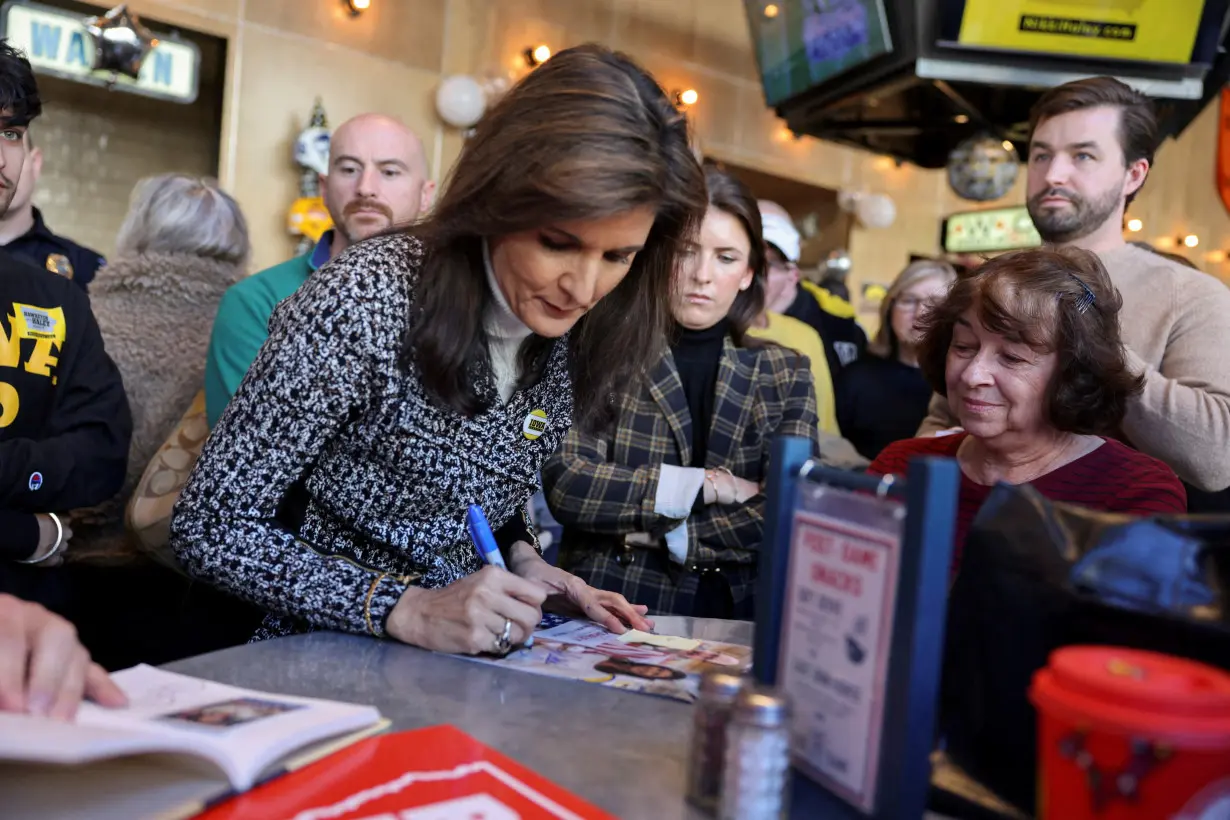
(1085, 300)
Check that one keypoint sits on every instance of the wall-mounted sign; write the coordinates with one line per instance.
(998, 229)
(1162, 31)
(56, 43)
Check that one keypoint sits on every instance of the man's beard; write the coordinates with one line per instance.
(1059, 226)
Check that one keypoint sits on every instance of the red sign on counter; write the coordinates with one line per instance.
(426, 774)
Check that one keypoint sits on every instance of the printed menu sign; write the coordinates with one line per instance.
(836, 633)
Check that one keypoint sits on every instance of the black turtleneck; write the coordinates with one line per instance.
(697, 355)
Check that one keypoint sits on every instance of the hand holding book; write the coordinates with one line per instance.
(44, 670)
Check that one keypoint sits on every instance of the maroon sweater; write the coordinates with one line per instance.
(1114, 478)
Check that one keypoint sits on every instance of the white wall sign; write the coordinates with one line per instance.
(836, 633)
(56, 43)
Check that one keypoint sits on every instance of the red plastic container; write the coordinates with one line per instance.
(1131, 735)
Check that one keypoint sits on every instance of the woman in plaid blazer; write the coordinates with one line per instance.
(665, 505)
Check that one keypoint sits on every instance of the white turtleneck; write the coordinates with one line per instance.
(505, 333)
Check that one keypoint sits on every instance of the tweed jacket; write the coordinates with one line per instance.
(333, 482)
(603, 489)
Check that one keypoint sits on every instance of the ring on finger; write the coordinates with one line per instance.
(503, 641)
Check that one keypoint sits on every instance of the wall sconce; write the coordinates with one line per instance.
(536, 55)
(357, 7)
(1216, 257)
(1191, 240)
(685, 98)
(1135, 225)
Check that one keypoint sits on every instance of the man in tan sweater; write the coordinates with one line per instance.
(1090, 150)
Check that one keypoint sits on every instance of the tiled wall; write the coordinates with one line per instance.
(97, 144)
(285, 52)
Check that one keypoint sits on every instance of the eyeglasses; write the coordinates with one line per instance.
(782, 266)
(909, 303)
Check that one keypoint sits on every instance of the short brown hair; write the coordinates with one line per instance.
(1036, 297)
(727, 193)
(1138, 129)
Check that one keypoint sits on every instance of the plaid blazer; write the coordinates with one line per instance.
(602, 488)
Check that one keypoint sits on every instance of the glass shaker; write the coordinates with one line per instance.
(718, 691)
(757, 772)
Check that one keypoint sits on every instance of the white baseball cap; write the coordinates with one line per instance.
(780, 232)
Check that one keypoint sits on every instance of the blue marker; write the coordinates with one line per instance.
(483, 538)
(484, 543)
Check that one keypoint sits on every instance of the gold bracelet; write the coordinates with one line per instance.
(367, 605)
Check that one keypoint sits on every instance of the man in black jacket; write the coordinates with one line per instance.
(64, 419)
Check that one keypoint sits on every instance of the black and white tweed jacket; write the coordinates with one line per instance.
(329, 422)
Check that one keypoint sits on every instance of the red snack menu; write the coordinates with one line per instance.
(426, 774)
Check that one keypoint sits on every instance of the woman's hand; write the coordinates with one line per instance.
(44, 670)
(47, 534)
(569, 593)
(467, 617)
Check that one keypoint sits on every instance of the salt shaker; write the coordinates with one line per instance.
(718, 691)
(757, 767)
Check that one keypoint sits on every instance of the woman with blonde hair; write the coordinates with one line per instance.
(882, 397)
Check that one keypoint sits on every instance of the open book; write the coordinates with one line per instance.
(181, 744)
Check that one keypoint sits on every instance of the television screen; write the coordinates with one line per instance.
(1169, 32)
(802, 43)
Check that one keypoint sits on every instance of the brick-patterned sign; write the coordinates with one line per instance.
(56, 43)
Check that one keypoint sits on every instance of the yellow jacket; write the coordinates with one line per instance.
(801, 338)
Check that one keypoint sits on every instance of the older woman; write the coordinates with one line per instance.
(1026, 348)
(890, 367)
(183, 243)
(438, 367)
(664, 503)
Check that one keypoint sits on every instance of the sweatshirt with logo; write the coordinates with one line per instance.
(64, 419)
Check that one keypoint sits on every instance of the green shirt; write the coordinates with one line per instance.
(242, 323)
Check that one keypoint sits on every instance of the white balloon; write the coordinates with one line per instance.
(876, 210)
(460, 101)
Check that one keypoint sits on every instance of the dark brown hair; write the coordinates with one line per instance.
(1138, 129)
(1035, 297)
(586, 135)
(727, 193)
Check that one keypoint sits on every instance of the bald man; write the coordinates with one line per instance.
(377, 179)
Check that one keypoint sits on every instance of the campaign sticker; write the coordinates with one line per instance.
(535, 424)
